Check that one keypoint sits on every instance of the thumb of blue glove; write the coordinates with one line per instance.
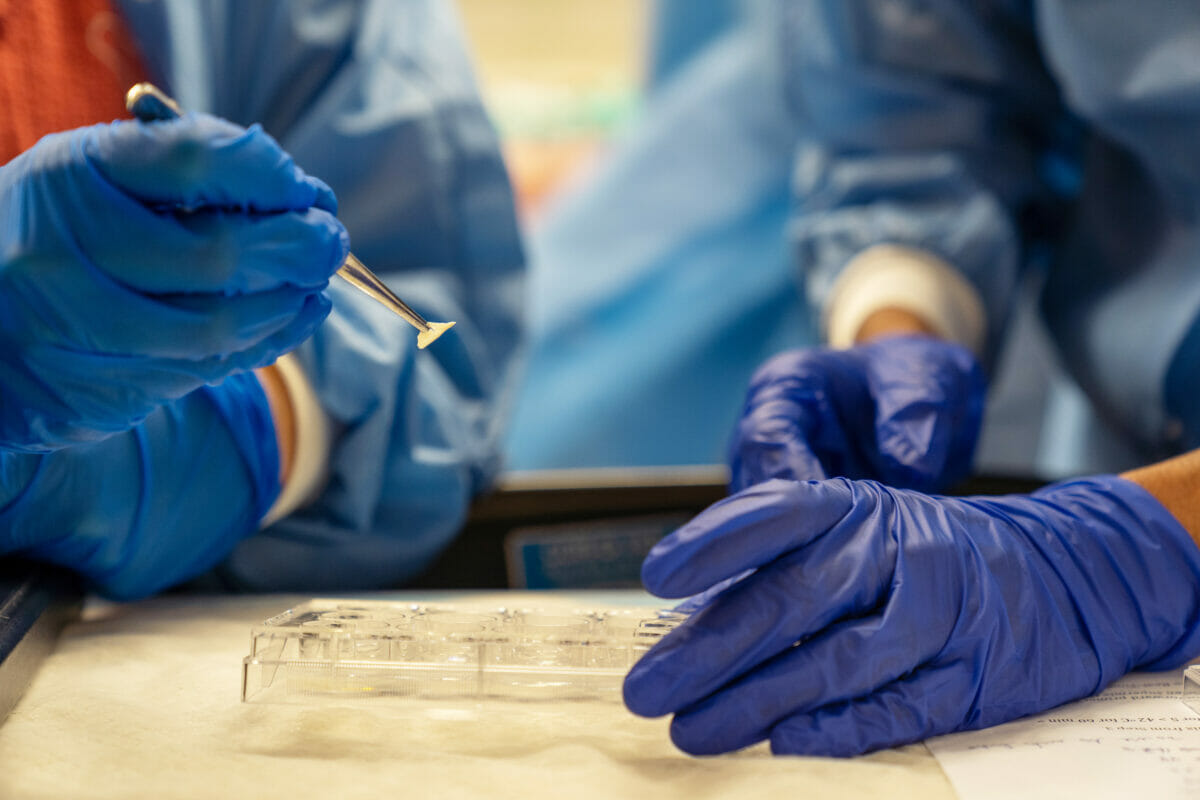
(904, 410)
(145, 509)
(140, 261)
(876, 617)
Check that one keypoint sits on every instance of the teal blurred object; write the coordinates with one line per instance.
(658, 287)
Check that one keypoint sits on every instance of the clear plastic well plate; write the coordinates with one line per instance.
(339, 649)
(1191, 687)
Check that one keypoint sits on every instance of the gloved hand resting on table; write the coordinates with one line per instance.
(141, 261)
(905, 410)
(877, 617)
(145, 509)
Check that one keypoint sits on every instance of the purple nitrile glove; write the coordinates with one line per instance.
(876, 617)
(904, 410)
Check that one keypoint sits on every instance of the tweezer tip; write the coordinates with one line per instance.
(429, 336)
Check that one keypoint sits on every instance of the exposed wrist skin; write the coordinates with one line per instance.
(281, 415)
(892, 321)
(1176, 484)
(303, 432)
(897, 277)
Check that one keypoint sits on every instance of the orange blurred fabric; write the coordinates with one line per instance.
(63, 64)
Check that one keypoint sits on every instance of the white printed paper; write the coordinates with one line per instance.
(1135, 739)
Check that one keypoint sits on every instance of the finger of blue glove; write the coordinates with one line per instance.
(844, 574)
(750, 624)
(187, 327)
(690, 605)
(199, 161)
(908, 710)
(254, 252)
(223, 328)
(135, 385)
(210, 251)
(765, 450)
(744, 531)
(303, 324)
(203, 328)
(847, 660)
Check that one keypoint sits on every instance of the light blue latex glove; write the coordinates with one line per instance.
(877, 617)
(145, 509)
(140, 261)
(904, 410)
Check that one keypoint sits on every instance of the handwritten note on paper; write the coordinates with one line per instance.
(1134, 739)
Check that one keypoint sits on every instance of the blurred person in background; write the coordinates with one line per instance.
(946, 162)
(664, 277)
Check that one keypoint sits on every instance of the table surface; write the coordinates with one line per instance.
(143, 700)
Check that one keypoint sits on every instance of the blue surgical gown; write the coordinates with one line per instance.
(1045, 148)
(376, 98)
